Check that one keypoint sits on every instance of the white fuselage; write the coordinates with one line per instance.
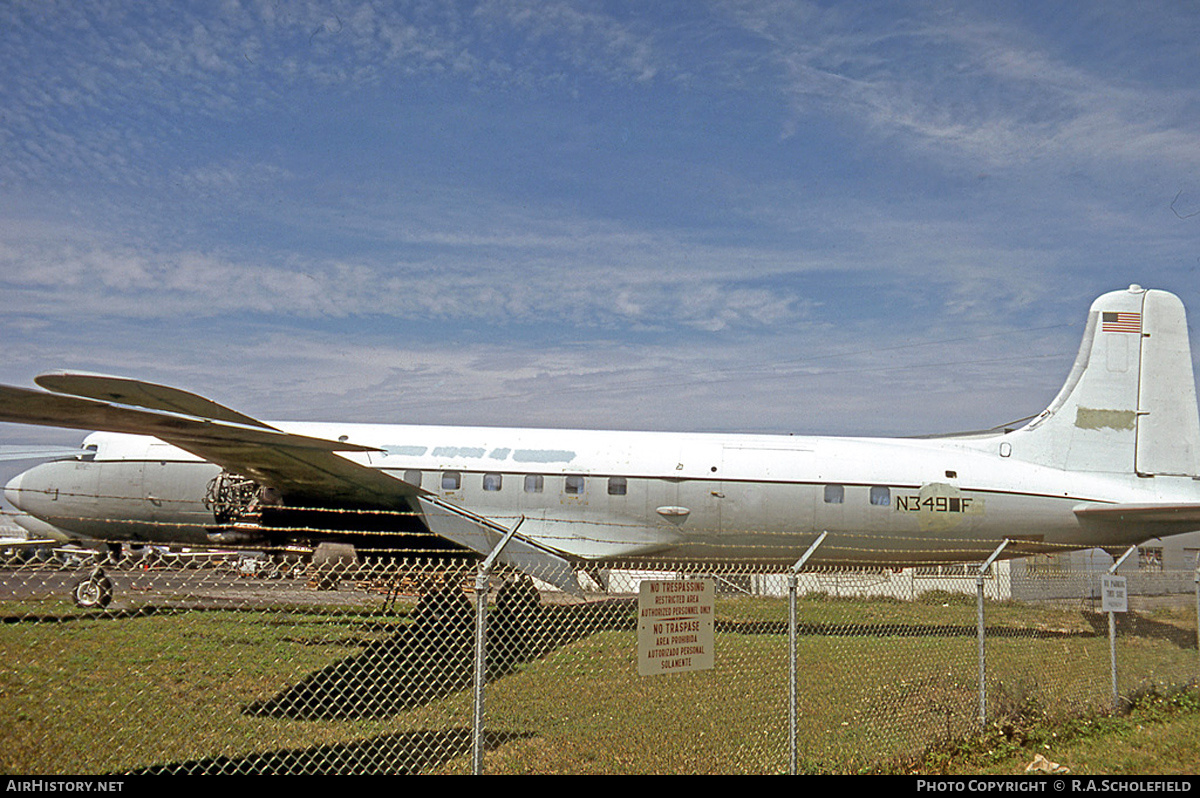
(604, 495)
(1113, 460)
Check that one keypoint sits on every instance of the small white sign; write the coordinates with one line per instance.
(1112, 594)
(675, 626)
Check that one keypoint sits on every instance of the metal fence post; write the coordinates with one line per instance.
(482, 577)
(1196, 578)
(793, 590)
(481, 590)
(793, 583)
(980, 637)
(1112, 657)
(1112, 631)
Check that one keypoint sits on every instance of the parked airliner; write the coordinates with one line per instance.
(1113, 461)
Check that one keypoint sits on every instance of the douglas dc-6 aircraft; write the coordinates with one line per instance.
(1113, 461)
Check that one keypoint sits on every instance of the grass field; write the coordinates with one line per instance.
(340, 690)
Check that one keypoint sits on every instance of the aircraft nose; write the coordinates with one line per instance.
(12, 491)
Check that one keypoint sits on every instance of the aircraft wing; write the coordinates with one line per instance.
(141, 394)
(18, 452)
(18, 543)
(301, 467)
(1159, 519)
(304, 469)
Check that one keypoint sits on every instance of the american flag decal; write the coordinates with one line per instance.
(1121, 322)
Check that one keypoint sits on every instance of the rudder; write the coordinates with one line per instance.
(1168, 431)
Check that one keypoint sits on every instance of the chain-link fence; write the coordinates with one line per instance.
(238, 662)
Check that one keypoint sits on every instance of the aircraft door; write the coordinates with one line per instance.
(700, 489)
(173, 492)
(64, 494)
(121, 495)
(663, 494)
(766, 492)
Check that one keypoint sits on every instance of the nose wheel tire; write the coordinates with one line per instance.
(92, 592)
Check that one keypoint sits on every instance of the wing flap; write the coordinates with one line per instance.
(482, 534)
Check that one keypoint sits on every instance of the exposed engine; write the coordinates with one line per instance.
(246, 512)
(231, 497)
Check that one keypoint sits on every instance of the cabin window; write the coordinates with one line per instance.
(451, 480)
(413, 477)
(534, 483)
(491, 482)
(881, 496)
(573, 486)
(617, 486)
(835, 494)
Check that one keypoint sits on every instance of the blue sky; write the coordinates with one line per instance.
(749, 216)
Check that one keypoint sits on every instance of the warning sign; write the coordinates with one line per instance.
(675, 626)
(1113, 597)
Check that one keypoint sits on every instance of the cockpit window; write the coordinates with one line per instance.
(89, 452)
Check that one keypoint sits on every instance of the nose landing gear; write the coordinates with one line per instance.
(94, 591)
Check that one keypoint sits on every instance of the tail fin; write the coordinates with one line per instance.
(1129, 403)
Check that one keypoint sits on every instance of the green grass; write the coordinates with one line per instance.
(880, 683)
(103, 695)
(1156, 734)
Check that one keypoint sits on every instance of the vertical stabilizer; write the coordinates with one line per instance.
(1129, 403)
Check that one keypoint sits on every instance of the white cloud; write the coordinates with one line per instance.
(961, 177)
(952, 85)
